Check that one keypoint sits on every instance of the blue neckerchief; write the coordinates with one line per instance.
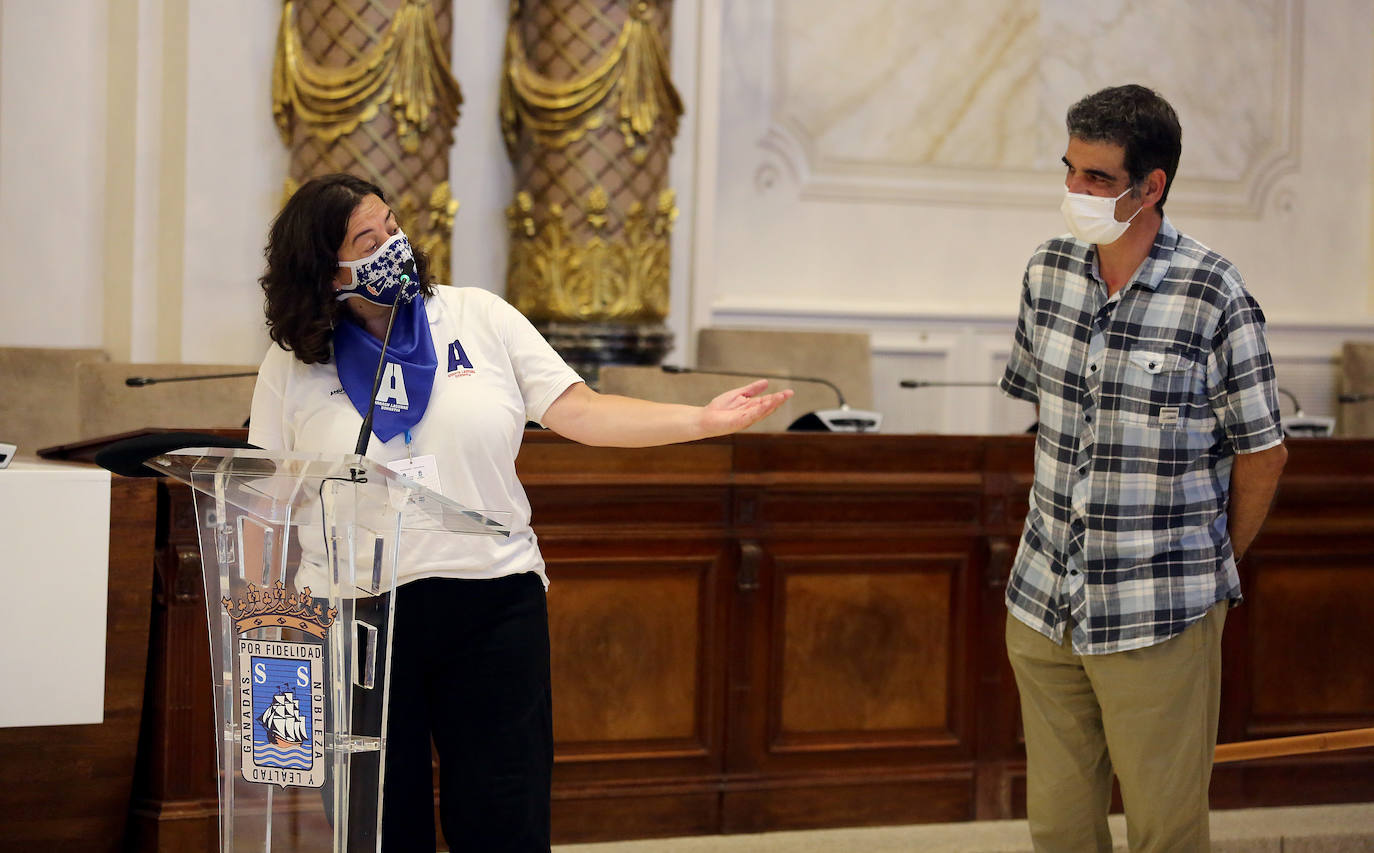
(402, 397)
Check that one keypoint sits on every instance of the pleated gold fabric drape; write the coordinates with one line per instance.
(365, 87)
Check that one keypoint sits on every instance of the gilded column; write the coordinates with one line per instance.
(589, 114)
(365, 87)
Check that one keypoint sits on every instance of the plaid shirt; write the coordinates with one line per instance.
(1144, 400)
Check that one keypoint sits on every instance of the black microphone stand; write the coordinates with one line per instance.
(140, 381)
(365, 434)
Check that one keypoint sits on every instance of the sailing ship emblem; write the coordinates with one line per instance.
(283, 721)
(281, 690)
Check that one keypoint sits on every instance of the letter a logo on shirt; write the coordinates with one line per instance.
(458, 362)
(392, 393)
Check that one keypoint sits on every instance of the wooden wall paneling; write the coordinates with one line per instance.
(1315, 673)
(859, 701)
(637, 646)
(1294, 651)
(1008, 472)
(865, 651)
(636, 640)
(854, 455)
(859, 541)
(862, 653)
(1296, 664)
(1000, 743)
(68, 787)
(639, 566)
(176, 801)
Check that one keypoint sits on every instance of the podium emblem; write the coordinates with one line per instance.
(281, 689)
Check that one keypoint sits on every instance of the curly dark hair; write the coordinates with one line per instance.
(303, 258)
(1140, 121)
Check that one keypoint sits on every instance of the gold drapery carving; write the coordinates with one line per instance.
(558, 279)
(407, 68)
(365, 86)
(589, 113)
(558, 112)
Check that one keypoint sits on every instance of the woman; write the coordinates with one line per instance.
(470, 655)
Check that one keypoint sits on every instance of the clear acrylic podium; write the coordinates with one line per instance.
(300, 553)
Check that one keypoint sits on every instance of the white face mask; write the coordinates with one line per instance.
(1092, 218)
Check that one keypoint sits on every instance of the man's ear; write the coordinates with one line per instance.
(1154, 186)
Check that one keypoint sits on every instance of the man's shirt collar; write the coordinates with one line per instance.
(1151, 270)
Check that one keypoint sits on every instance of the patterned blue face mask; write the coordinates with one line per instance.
(385, 277)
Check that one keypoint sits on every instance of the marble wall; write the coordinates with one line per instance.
(889, 165)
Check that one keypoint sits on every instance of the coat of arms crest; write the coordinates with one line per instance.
(281, 689)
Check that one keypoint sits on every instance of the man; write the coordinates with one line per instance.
(1157, 455)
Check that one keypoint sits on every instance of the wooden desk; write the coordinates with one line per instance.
(781, 631)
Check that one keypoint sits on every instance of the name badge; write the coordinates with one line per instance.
(422, 469)
(1168, 415)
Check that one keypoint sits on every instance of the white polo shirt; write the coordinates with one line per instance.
(495, 372)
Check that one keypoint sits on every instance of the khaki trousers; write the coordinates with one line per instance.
(1149, 714)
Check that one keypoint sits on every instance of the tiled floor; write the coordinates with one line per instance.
(1311, 829)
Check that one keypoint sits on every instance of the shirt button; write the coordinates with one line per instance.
(1092, 368)
(1088, 418)
(1073, 573)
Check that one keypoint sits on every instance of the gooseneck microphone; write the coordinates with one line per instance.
(365, 434)
(675, 368)
(922, 383)
(140, 381)
(842, 419)
(1362, 397)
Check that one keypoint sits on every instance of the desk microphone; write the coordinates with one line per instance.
(140, 381)
(1362, 397)
(924, 383)
(1304, 425)
(144, 381)
(921, 383)
(842, 419)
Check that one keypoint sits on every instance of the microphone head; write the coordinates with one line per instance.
(139, 381)
(674, 368)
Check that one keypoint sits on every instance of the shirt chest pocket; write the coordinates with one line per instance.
(1157, 385)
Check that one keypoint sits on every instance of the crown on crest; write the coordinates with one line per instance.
(275, 608)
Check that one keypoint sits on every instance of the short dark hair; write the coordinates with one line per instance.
(303, 258)
(1137, 119)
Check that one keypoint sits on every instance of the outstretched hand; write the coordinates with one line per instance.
(741, 408)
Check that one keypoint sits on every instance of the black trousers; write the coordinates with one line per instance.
(469, 664)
